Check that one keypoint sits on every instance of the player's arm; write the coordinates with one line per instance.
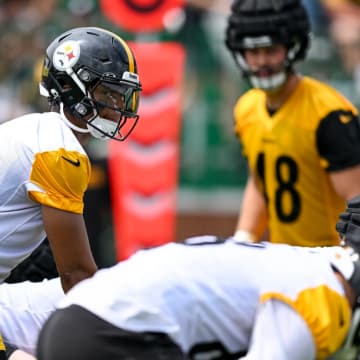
(69, 242)
(346, 182)
(252, 221)
(338, 142)
(280, 333)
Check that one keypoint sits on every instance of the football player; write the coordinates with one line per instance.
(90, 79)
(301, 137)
(202, 299)
(205, 298)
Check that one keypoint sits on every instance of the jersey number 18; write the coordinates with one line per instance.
(286, 186)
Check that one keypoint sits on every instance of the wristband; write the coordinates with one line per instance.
(244, 236)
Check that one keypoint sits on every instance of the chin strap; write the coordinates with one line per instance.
(69, 123)
(273, 82)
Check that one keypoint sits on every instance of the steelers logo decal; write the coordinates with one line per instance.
(66, 55)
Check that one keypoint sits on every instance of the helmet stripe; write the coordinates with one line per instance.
(128, 52)
(126, 47)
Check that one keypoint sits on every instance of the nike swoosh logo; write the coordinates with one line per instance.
(75, 163)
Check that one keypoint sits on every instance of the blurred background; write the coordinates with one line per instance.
(211, 170)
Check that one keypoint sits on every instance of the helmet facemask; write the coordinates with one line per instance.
(109, 108)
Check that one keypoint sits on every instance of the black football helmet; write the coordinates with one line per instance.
(261, 23)
(84, 62)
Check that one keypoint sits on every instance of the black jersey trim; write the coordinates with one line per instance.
(338, 140)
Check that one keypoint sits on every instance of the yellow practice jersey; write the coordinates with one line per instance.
(42, 163)
(291, 152)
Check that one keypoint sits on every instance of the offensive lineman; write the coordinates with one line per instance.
(204, 299)
(201, 298)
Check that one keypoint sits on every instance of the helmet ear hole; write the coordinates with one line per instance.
(83, 108)
(80, 109)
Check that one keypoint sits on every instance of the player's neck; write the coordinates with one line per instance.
(275, 99)
(84, 139)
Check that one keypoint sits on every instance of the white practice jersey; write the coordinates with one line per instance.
(209, 294)
(24, 307)
(41, 163)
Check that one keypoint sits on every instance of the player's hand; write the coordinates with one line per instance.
(348, 225)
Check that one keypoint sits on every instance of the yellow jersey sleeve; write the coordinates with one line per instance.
(337, 138)
(62, 177)
(327, 314)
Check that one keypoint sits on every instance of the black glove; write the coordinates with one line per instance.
(348, 225)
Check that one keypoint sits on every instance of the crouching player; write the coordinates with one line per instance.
(206, 298)
(209, 299)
